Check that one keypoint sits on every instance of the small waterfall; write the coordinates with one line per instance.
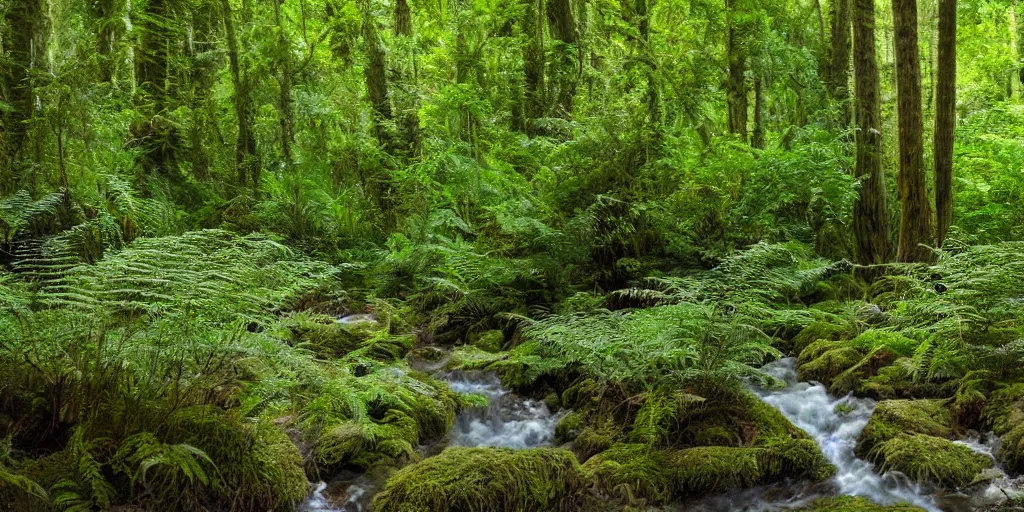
(835, 424)
(508, 421)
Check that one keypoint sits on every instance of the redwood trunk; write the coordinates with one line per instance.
(870, 217)
(945, 117)
(915, 209)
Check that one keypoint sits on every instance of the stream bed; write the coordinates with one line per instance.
(508, 421)
(834, 423)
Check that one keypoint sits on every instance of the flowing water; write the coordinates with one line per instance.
(835, 424)
(507, 421)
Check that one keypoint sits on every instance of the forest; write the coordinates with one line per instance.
(511, 255)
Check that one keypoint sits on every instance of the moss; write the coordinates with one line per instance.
(1004, 414)
(851, 378)
(489, 341)
(592, 441)
(471, 358)
(818, 331)
(893, 418)
(638, 474)
(486, 480)
(830, 364)
(926, 458)
(854, 504)
(570, 426)
(739, 419)
(815, 350)
(259, 466)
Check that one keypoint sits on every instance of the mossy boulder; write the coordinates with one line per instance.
(893, 418)
(1004, 414)
(486, 480)
(913, 437)
(489, 341)
(854, 504)
(829, 364)
(851, 379)
(639, 474)
(570, 426)
(926, 458)
(819, 331)
(740, 419)
(258, 465)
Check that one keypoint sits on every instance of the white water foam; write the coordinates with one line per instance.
(508, 421)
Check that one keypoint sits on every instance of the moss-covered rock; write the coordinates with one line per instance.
(637, 474)
(829, 364)
(851, 378)
(258, 465)
(570, 426)
(926, 458)
(1004, 414)
(854, 504)
(819, 331)
(486, 480)
(893, 418)
(489, 341)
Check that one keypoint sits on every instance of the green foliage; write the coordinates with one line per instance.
(486, 479)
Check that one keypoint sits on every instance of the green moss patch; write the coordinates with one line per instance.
(1005, 416)
(926, 458)
(638, 474)
(893, 418)
(486, 480)
(854, 504)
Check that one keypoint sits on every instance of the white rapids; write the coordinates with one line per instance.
(835, 424)
(508, 421)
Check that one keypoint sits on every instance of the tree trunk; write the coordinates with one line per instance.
(870, 212)
(945, 117)
(109, 30)
(24, 19)
(736, 86)
(285, 80)
(245, 148)
(533, 64)
(405, 101)
(839, 59)
(376, 79)
(915, 209)
(757, 140)
(563, 30)
(1020, 41)
(403, 18)
(644, 26)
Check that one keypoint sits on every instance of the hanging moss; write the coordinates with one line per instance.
(854, 504)
(926, 458)
(486, 480)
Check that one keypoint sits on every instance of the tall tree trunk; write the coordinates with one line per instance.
(153, 134)
(839, 59)
(285, 80)
(736, 86)
(870, 212)
(757, 140)
(1019, 28)
(916, 215)
(945, 117)
(245, 148)
(24, 19)
(109, 29)
(564, 30)
(644, 25)
(376, 79)
(533, 64)
(405, 100)
(403, 18)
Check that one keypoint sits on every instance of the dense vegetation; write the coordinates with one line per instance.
(624, 208)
